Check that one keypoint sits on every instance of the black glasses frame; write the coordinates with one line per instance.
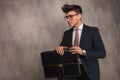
(70, 16)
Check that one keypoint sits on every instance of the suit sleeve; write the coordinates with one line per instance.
(98, 50)
(63, 40)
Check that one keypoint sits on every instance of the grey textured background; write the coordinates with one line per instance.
(28, 27)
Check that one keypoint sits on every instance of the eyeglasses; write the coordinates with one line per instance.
(70, 16)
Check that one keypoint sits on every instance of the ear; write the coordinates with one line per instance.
(80, 16)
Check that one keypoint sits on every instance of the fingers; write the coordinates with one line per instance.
(60, 50)
(75, 49)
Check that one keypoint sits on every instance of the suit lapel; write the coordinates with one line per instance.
(83, 35)
(82, 39)
(70, 37)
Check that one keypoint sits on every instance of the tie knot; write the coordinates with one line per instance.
(76, 29)
(76, 40)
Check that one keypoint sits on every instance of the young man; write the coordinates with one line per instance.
(83, 40)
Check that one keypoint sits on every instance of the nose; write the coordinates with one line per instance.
(68, 19)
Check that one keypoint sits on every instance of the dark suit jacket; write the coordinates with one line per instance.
(91, 42)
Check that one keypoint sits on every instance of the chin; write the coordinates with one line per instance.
(70, 25)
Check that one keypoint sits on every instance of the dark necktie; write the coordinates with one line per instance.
(76, 40)
(76, 43)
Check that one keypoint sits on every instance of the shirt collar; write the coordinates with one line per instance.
(80, 27)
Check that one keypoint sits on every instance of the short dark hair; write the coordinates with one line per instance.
(66, 8)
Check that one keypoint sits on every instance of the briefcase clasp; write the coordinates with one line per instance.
(60, 65)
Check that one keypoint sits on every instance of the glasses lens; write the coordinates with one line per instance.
(69, 16)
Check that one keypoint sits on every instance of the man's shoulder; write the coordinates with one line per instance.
(89, 27)
(92, 28)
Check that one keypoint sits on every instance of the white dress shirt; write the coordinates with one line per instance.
(73, 37)
(79, 32)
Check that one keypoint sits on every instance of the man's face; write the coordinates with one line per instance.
(73, 18)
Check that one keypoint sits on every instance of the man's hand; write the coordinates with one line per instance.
(76, 50)
(60, 50)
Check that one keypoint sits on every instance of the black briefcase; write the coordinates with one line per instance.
(55, 65)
